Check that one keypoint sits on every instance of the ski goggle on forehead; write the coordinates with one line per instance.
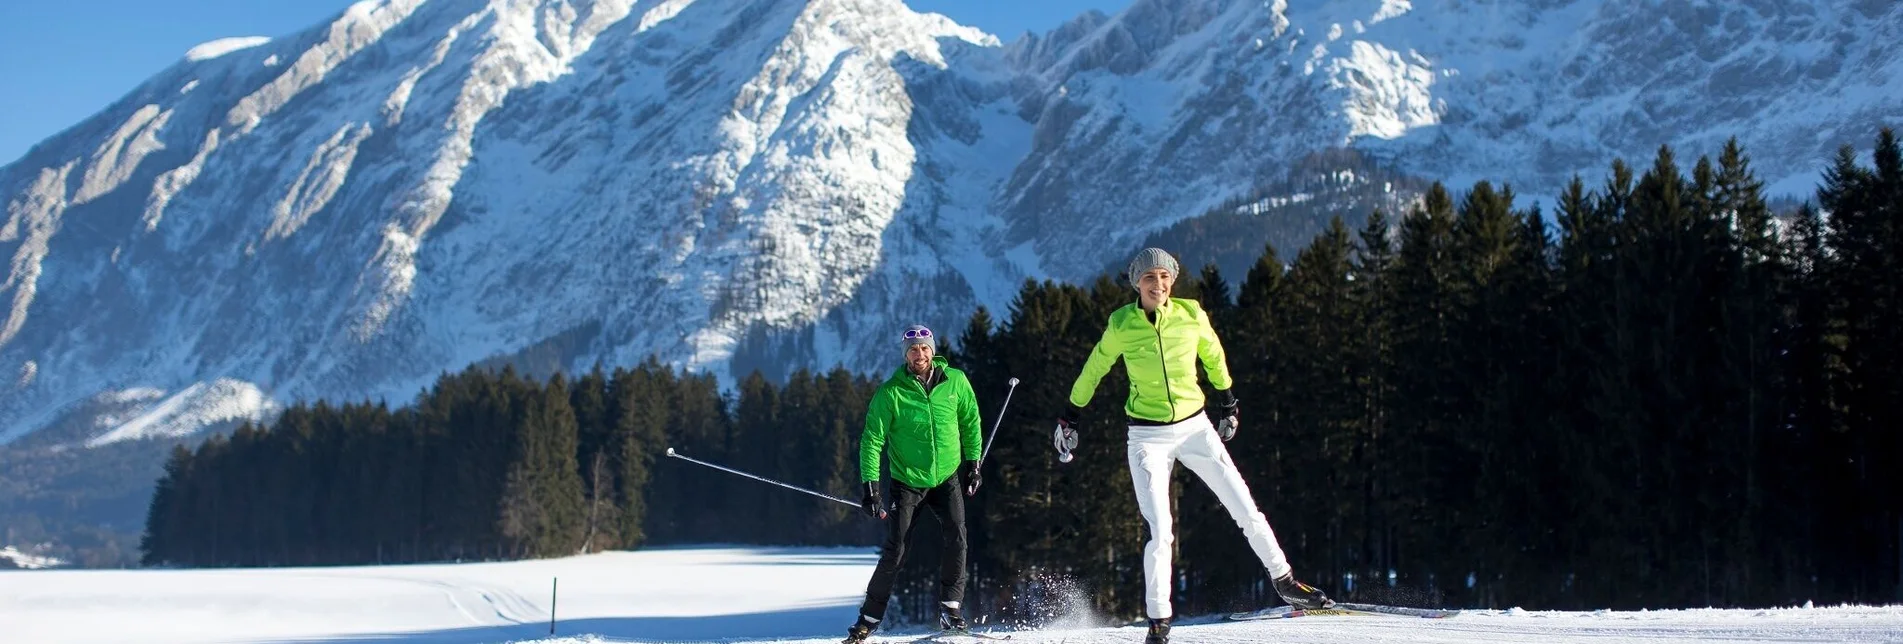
(914, 334)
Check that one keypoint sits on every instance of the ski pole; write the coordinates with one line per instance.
(829, 497)
(993, 439)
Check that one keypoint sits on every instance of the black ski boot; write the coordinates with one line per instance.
(1300, 595)
(1159, 632)
(952, 618)
(859, 631)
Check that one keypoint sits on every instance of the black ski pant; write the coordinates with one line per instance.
(946, 501)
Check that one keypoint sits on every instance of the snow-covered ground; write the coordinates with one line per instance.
(721, 594)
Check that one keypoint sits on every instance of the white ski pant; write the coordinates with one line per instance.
(1154, 451)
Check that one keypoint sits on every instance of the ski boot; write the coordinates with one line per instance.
(859, 631)
(1301, 596)
(952, 618)
(1159, 632)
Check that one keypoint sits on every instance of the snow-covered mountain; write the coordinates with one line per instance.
(416, 186)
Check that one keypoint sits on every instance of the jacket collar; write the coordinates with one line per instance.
(939, 363)
(1166, 308)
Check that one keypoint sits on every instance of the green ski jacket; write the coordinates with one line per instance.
(1160, 358)
(925, 435)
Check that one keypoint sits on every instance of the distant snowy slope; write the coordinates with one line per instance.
(805, 595)
(1172, 106)
(13, 557)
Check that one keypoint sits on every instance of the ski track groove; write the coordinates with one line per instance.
(508, 607)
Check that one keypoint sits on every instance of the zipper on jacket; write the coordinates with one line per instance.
(1164, 361)
(931, 422)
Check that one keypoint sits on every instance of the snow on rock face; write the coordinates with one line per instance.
(187, 411)
(737, 184)
(35, 213)
(222, 46)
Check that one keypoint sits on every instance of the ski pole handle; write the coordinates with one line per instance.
(993, 439)
(829, 497)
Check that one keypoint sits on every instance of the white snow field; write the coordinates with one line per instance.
(723, 594)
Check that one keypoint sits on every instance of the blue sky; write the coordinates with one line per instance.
(61, 62)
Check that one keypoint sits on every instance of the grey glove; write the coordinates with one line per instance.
(1227, 418)
(1064, 438)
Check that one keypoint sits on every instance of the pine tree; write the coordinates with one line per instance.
(1214, 296)
(163, 540)
(1319, 385)
(1422, 318)
(541, 510)
(1528, 467)
(1759, 277)
(1372, 361)
(642, 398)
(756, 422)
(1476, 376)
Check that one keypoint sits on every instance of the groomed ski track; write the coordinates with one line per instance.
(730, 595)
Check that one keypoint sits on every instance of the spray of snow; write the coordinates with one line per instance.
(1059, 602)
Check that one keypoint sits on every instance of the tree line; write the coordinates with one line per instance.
(1666, 397)
(488, 464)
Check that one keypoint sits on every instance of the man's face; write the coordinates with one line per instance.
(918, 357)
(1153, 287)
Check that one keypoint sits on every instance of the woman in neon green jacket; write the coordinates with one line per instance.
(924, 419)
(1160, 340)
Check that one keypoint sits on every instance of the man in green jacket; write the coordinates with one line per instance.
(1160, 340)
(925, 420)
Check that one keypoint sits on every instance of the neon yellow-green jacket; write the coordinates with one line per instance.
(926, 436)
(1160, 359)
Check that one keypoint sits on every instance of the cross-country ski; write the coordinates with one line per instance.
(1338, 609)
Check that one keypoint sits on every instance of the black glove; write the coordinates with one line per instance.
(970, 472)
(870, 503)
(1227, 417)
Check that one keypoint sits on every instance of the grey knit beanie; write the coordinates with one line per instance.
(1149, 258)
(917, 334)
